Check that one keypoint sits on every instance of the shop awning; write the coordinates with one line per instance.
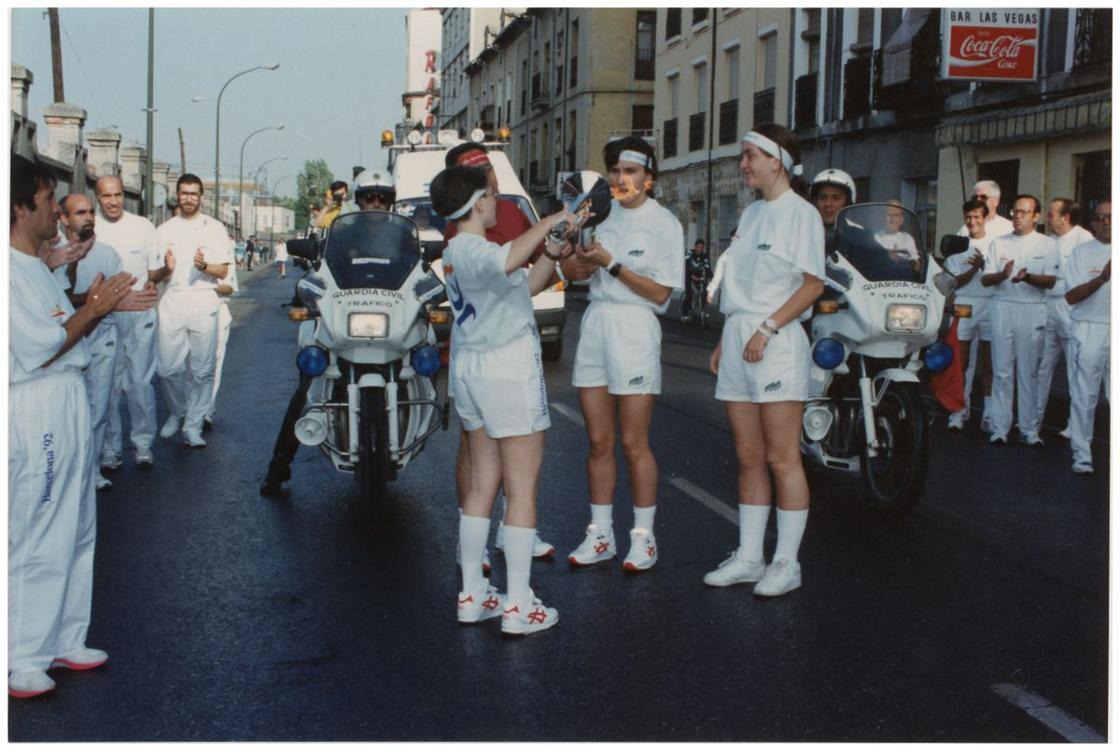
(1061, 117)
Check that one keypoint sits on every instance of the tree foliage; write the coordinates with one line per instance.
(313, 183)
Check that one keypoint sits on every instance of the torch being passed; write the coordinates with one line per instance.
(587, 194)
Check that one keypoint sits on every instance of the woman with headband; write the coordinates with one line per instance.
(637, 264)
(775, 271)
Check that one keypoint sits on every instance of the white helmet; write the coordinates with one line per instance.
(376, 182)
(836, 177)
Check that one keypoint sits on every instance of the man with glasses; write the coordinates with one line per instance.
(374, 191)
(994, 225)
(1018, 268)
(1088, 275)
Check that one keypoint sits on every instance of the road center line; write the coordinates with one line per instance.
(1040, 708)
(699, 494)
(565, 411)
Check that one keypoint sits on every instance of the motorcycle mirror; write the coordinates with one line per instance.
(306, 248)
(945, 282)
(953, 244)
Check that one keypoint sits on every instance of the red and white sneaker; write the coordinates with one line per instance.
(541, 549)
(528, 617)
(480, 606)
(85, 658)
(29, 684)
(598, 546)
(643, 551)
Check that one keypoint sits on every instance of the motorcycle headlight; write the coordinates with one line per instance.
(425, 360)
(828, 353)
(368, 325)
(904, 318)
(938, 356)
(312, 361)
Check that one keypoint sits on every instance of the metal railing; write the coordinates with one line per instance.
(669, 134)
(1092, 38)
(696, 131)
(763, 106)
(728, 121)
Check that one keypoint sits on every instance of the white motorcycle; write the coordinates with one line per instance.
(368, 345)
(876, 327)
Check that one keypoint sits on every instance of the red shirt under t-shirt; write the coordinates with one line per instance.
(510, 225)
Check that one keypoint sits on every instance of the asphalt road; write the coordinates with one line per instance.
(231, 617)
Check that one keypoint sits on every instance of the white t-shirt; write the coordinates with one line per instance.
(776, 242)
(955, 265)
(281, 252)
(101, 259)
(1066, 243)
(900, 241)
(1036, 253)
(490, 307)
(646, 240)
(997, 227)
(37, 310)
(134, 239)
(186, 236)
(1086, 262)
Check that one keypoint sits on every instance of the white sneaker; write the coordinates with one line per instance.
(173, 425)
(735, 570)
(998, 439)
(956, 421)
(528, 617)
(194, 439)
(111, 462)
(541, 549)
(1064, 432)
(86, 658)
(31, 683)
(1031, 440)
(783, 575)
(1082, 468)
(986, 425)
(480, 606)
(101, 483)
(643, 551)
(485, 560)
(144, 459)
(596, 547)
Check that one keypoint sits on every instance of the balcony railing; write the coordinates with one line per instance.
(857, 87)
(805, 102)
(763, 106)
(1092, 38)
(696, 131)
(669, 139)
(539, 91)
(728, 121)
(643, 64)
(559, 80)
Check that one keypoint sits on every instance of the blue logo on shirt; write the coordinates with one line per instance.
(461, 306)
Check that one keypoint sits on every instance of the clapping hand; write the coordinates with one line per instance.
(976, 260)
(1020, 276)
(1106, 272)
(1007, 269)
(104, 294)
(71, 252)
(199, 260)
(136, 301)
(169, 259)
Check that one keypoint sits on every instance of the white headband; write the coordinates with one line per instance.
(636, 157)
(469, 204)
(774, 150)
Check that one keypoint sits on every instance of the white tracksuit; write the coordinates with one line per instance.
(1018, 317)
(134, 239)
(1056, 339)
(1091, 327)
(188, 316)
(51, 507)
(225, 321)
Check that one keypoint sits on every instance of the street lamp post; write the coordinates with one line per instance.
(241, 171)
(218, 135)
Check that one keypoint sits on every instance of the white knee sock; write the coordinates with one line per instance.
(473, 531)
(519, 560)
(752, 530)
(791, 526)
(601, 515)
(643, 517)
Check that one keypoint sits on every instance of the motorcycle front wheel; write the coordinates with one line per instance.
(895, 478)
(373, 448)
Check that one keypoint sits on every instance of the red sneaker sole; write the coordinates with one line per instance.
(27, 694)
(60, 663)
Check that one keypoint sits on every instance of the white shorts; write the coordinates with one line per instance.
(620, 348)
(501, 390)
(980, 322)
(781, 376)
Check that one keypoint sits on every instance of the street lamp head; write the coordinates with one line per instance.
(279, 126)
(198, 99)
(271, 66)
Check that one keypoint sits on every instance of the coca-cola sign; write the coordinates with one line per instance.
(990, 45)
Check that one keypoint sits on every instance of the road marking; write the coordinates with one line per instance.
(1040, 708)
(565, 411)
(699, 494)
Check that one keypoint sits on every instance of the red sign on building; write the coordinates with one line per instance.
(990, 44)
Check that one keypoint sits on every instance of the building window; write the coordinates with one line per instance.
(733, 73)
(641, 117)
(573, 58)
(669, 138)
(699, 15)
(674, 96)
(672, 22)
(812, 37)
(701, 87)
(643, 50)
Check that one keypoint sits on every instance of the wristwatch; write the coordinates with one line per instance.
(615, 269)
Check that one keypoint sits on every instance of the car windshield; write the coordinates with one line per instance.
(372, 249)
(882, 241)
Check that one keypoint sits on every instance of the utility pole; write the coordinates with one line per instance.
(182, 153)
(149, 188)
(56, 55)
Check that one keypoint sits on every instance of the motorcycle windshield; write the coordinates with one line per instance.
(372, 249)
(882, 241)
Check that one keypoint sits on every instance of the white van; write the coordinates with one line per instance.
(413, 172)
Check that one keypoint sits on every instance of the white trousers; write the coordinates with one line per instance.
(188, 333)
(52, 520)
(1016, 335)
(225, 320)
(136, 365)
(103, 345)
(1055, 340)
(1090, 369)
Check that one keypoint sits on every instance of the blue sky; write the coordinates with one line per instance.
(339, 84)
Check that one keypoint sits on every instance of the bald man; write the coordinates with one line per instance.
(134, 240)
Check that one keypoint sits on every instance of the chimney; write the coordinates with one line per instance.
(22, 79)
(64, 130)
(133, 166)
(104, 151)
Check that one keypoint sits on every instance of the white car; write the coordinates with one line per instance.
(413, 172)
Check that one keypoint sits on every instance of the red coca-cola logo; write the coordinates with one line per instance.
(1002, 47)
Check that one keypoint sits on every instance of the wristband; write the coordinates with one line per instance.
(615, 269)
(765, 334)
(770, 326)
(549, 255)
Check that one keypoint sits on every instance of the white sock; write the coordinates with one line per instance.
(643, 517)
(519, 560)
(601, 516)
(473, 531)
(752, 530)
(791, 525)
